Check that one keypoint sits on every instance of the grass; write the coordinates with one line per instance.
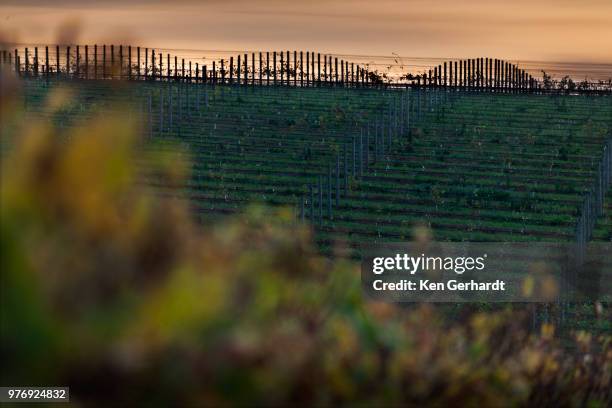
(468, 166)
(471, 166)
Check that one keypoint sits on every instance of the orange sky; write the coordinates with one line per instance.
(540, 30)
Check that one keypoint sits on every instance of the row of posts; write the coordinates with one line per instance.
(103, 62)
(320, 198)
(593, 205)
(297, 68)
(480, 73)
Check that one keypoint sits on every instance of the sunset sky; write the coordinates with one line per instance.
(536, 30)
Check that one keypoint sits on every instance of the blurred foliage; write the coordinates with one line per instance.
(116, 292)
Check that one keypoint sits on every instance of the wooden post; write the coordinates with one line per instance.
(161, 65)
(282, 66)
(26, 62)
(129, 62)
(493, 72)
(482, 73)
(246, 68)
(68, 60)
(510, 76)
(319, 67)
(120, 61)
(57, 60)
(507, 75)
(274, 64)
(168, 67)
(47, 59)
(146, 63)
(183, 69)
(214, 73)
(138, 62)
(153, 64)
(288, 70)
(112, 49)
(76, 68)
(239, 65)
(307, 67)
(436, 76)
(36, 61)
(469, 73)
(445, 75)
(222, 71)
(260, 66)
(95, 65)
(302, 68)
(312, 66)
(176, 68)
(268, 67)
(516, 79)
(336, 69)
(295, 67)
(346, 74)
(86, 62)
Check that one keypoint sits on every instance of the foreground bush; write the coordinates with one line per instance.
(117, 293)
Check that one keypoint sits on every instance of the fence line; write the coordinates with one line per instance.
(297, 68)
